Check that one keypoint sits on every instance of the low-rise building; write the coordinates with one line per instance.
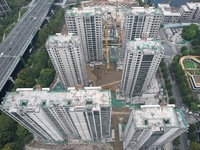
(170, 15)
(190, 12)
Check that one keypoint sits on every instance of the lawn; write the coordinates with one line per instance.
(189, 64)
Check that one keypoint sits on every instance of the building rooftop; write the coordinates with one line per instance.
(168, 11)
(158, 117)
(108, 10)
(147, 46)
(196, 79)
(60, 40)
(84, 11)
(193, 5)
(185, 8)
(144, 10)
(73, 98)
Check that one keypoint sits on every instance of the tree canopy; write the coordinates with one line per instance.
(194, 146)
(190, 32)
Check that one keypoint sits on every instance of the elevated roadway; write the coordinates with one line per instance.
(18, 40)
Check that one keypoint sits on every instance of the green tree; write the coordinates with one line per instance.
(168, 86)
(185, 52)
(170, 92)
(192, 137)
(194, 106)
(7, 129)
(192, 52)
(167, 81)
(46, 77)
(172, 101)
(19, 83)
(194, 145)
(9, 146)
(183, 48)
(192, 128)
(190, 32)
(195, 42)
(21, 132)
(176, 141)
(165, 75)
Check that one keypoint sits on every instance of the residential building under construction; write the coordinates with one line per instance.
(105, 28)
(78, 113)
(66, 54)
(143, 57)
(153, 126)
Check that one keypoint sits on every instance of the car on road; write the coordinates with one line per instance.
(1, 55)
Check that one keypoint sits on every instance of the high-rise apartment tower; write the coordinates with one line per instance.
(88, 24)
(142, 60)
(153, 126)
(67, 57)
(140, 22)
(53, 116)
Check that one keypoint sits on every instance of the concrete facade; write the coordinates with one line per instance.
(142, 60)
(190, 12)
(56, 116)
(153, 126)
(67, 57)
(169, 15)
(140, 22)
(88, 24)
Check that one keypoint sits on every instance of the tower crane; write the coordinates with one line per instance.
(106, 44)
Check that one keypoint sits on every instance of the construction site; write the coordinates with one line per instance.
(106, 74)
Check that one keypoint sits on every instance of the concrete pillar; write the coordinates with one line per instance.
(22, 59)
(11, 79)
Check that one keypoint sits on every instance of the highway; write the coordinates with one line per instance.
(18, 40)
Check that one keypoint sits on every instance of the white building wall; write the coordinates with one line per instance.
(168, 136)
(68, 60)
(81, 32)
(150, 22)
(143, 138)
(91, 33)
(63, 119)
(132, 67)
(80, 124)
(153, 68)
(43, 121)
(186, 16)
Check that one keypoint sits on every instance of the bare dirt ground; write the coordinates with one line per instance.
(64, 29)
(116, 115)
(108, 80)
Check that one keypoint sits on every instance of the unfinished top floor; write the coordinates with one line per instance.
(146, 46)
(74, 98)
(158, 117)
